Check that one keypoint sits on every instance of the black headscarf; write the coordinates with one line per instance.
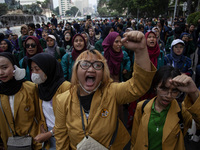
(12, 86)
(53, 70)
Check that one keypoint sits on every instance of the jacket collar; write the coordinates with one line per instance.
(171, 121)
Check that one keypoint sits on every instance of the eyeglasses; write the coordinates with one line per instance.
(175, 93)
(97, 65)
(32, 45)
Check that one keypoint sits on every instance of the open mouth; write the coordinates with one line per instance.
(152, 43)
(90, 80)
(165, 102)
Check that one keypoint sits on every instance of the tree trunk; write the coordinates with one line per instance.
(189, 6)
(178, 7)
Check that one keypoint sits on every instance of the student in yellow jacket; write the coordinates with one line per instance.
(19, 100)
(90, 108)
(157, 124)
(47, 72)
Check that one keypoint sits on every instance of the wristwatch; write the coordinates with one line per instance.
(51, 131)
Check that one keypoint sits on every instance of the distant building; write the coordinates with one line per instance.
(27, 2)
(82, 5)
(2, 1)
(64, 5)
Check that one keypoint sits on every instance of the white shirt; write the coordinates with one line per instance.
(48, 113)
(11, 101)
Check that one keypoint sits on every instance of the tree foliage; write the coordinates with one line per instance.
(103, 11)
(3, 9)
(56, 11)
(72, 11)
(45, 4)
(193, 18)
(33, 9)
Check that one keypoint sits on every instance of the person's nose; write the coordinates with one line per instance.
(91, 68)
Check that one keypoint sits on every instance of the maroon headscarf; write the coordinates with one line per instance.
(76, 53)
(114, 59)
(154, 52)
(39, 47)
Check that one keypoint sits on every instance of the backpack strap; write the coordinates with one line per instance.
(183, 63)
(144, 104)
(169, 60)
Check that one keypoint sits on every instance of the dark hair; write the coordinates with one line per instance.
(162, 22)
(162, 75)
(128, 24)
(32, 25)
(191, 25)
(120, 26)
(2, 36)
(140, 26)
(106, 31)
(177, 32)
(37, 25)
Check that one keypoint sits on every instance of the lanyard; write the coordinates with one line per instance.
(83, 126)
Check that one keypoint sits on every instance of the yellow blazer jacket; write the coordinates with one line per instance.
(63, 87)
(26, 107)
(102, 120)
(173, 137)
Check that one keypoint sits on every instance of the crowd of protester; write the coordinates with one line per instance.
(56, 50)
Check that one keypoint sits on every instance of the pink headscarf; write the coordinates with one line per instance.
(154, 52)
(114, 59)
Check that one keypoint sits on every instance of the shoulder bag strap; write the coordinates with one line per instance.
(13, 121)
(6, 118)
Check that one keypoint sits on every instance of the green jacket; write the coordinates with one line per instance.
(168, 44)
(98, 45)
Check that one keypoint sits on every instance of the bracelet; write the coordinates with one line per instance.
(51, 131)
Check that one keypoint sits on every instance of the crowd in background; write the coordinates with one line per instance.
(176, 45)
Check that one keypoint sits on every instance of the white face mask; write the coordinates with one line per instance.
(19, 73)
(37, 78)
(89, 92)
